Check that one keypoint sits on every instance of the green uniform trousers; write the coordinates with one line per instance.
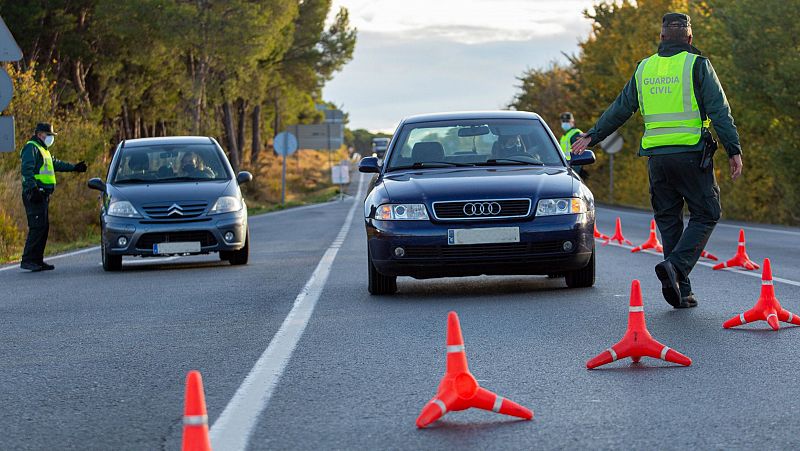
(675, 180)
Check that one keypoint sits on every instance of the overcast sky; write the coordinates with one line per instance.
(422, 56)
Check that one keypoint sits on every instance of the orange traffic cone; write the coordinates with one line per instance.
(618, 235)
(652, 242)
(195, 418)
(459, 390)
(709, 255)
(740, 259)
(637, 342)
(767, 308)
(599, 235)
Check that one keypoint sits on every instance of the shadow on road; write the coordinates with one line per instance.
(478, 286)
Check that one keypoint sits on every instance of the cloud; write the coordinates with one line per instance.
(391, 78)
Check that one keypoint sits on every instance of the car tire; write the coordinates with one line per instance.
(380, 284)
(582, 278)
(225, 255)
(241, 256)
(111, 263)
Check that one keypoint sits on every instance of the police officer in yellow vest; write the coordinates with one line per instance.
(678, 94)
(571, 134)
(39, 169)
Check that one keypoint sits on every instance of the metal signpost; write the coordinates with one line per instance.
(285, 144)
(9, 51)
(611, 145)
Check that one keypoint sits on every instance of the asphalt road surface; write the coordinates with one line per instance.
(295, 354)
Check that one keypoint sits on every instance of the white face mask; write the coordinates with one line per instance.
(566, 126)
(49, 140)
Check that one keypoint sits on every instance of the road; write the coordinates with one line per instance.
(94, 360)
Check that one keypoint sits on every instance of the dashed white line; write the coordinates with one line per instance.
(232, 430)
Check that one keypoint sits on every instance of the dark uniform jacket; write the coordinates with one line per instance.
(710, 98)
(31, 162)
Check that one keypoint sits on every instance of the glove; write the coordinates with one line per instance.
(37, 195)
(81, 167)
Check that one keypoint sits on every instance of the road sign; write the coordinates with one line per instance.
(340, 174)
(9, 50)
(612, 144)
(328, 136)
(6, 89)
(285, 144)
(7, 134)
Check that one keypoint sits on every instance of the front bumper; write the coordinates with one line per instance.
(426, 253)
(141, 234)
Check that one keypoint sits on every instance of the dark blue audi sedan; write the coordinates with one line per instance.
(466, 194)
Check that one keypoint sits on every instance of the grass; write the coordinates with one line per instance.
(54, 248)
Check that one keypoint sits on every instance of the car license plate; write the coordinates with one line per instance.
(483, 236)
(176, 248)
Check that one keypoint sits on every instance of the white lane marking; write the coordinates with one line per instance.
(731, 226)
(232, 430)
(711, 265)
(55, 257)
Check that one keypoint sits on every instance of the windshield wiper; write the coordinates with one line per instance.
(498, 161)
(133, 180)
(182, 179)
(430, 164)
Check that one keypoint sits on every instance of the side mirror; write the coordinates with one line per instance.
(587, 157)
(97, 184)
(369, 165)
(244, 177)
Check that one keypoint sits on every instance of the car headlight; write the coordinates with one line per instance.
(565, 206)
(122, 209)
(226, 204)
(402, 212)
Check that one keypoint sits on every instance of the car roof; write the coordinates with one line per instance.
(466, 115)
(167, 140)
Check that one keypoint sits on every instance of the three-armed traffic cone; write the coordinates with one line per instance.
(740, 259)
(195, 417)
(767, 308)
(652, 242)
(459, 390)
(599, 235)
(618, 237)
(637, 342)
(708, 255)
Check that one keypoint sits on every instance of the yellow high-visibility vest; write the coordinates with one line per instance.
(566, 142)
(667, 101)
(46, 176)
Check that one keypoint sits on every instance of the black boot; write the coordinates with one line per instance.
(669, 278)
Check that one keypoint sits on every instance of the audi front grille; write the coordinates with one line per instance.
(482, 209)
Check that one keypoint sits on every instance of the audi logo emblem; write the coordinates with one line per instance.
(481, 208)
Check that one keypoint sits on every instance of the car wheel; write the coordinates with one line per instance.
(110, 262)
(225, 255)
(241, 256)
(380, 284)
(582, 278)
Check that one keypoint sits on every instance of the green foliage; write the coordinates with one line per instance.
(105, 70)
(755, 51)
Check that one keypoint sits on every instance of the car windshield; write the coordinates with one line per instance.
(483, 142)
(170, 163)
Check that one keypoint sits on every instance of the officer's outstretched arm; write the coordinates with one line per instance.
(623, 107)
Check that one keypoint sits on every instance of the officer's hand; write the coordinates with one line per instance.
(81, 167)
(581, 144)
(736, 166)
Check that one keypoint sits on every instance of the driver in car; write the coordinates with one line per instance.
(194, 166)
(508, 145)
